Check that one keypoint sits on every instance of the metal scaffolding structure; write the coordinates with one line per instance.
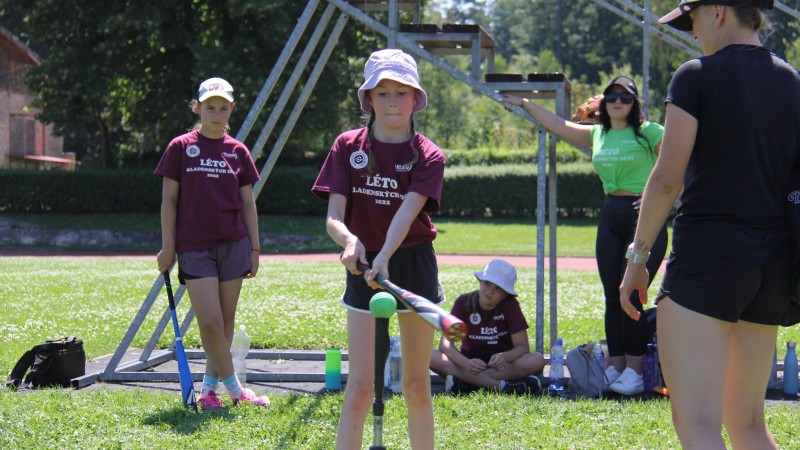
(469, 41)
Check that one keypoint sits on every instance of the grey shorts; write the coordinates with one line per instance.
(413, 269)
(227, 262)
(758, 294)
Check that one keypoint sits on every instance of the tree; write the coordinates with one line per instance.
(118, 75)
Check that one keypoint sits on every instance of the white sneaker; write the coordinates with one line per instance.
(448, 383)
(628, 383)
(612, 374)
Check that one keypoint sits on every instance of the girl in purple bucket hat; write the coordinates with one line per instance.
(381, 182)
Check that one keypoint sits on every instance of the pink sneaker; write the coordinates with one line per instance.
(249, 397)
(210, 402)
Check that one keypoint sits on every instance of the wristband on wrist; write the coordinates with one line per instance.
(634, 257)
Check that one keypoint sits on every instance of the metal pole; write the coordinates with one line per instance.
(541, 190)
(280, 64)
(646, 60)
(393, 19)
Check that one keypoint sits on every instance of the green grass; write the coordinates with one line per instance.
(472, 236)
(96, 299)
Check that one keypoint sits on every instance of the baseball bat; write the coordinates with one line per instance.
(184, 373)
(453, 328)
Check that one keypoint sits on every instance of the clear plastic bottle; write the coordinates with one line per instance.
(557, 381)
(240, 346)
(598, 355)
(395, 366)
(649, 368)
(790, 369)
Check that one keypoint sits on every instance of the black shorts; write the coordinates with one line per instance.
(758, 294)
(413, 269)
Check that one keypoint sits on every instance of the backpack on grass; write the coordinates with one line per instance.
(587, 377)
(52, 364)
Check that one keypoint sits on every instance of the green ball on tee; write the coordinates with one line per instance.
(382, 305)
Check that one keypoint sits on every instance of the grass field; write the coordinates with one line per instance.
(97, 298)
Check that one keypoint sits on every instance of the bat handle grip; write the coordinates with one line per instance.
(364, 267)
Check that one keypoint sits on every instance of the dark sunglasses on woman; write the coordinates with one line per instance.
(625, 97)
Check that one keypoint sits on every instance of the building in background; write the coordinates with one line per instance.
(24, 141)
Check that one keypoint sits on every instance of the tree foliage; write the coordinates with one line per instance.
(118, 75)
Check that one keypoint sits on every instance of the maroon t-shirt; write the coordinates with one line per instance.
(489, 332)
(210, 173)
(373, 200)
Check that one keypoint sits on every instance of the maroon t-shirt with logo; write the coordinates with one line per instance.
(373, 200)
(210, 173)
(489, 332)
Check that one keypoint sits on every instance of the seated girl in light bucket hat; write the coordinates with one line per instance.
(495, 354)
(381, 182)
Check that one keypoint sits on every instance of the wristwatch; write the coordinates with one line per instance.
(634, 257)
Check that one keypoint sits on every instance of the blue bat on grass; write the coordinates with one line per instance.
(184, 373)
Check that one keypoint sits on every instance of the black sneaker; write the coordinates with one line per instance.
(523, 386)
(534, 384)
(515, 387)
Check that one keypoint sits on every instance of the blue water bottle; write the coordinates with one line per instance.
(790, 369)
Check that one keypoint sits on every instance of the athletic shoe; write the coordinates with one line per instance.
(535, 385)
(448, 383)
(210, 402)
(523, 386)
(249, 397)
(612, 375)
(628, 383)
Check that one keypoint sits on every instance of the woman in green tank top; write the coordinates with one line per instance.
(624, 151)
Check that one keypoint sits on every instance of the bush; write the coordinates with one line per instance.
(478, 191)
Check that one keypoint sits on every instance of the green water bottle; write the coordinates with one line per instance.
(333, 369)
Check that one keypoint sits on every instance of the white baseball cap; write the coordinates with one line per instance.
(391, 64)
(215, 87)
(500, 273)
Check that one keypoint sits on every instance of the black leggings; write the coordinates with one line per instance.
(615, 232)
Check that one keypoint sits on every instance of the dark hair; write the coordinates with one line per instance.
(635, 119)
(372, 165)
(473, 301)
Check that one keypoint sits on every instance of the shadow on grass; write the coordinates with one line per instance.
(185, 421)
(289, 438)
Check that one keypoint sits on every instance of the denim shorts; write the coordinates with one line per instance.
(758, 294)
(228, 261)
(413, 269)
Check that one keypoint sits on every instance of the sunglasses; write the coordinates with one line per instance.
(625, 97)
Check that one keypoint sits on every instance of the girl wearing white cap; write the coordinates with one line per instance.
(624, 151)
(208, 217)
(732, 141)
(495, 354)
(381, 182)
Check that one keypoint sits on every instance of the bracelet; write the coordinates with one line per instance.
(257, 250)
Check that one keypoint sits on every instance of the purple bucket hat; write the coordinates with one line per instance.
(391, 64)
